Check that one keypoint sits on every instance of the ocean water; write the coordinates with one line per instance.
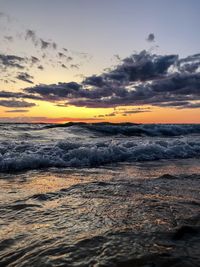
(99, 195)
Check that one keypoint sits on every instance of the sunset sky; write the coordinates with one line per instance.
(89, 60)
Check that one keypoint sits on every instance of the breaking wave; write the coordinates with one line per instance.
(130, 129)
(18, 156)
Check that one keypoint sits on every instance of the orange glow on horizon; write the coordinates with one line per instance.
(50, 113)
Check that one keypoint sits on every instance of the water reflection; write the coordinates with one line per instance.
(100, 217)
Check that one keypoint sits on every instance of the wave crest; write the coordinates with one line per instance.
(131, 129)
(17, 156)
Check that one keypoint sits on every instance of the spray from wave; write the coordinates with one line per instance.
(17, 156)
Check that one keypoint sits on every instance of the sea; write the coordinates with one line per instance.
(99, 195)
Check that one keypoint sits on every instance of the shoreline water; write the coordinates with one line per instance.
(119, 214)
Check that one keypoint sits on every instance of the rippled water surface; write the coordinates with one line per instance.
(125, 200)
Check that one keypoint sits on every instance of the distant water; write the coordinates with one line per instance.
(99, 195)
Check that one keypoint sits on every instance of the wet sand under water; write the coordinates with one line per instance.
(116, 216)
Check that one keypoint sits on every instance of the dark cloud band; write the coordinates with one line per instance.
(141, 79)
(138, 80)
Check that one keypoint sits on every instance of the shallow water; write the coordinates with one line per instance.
(101, 217)
(130, 213)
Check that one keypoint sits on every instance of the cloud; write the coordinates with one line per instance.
(2, 15)
(112, 114)
(96, 81)
(64, 66)
(11, 64)
(17, 111)
(135, 111)
(30, 34)
(61, 55)
(183, 105)
(23, 76)
(21, 95)
(151, 37)
(37, 41)
(40, 67)
(12, 61)
(99, 116)
(9, 38)
(54, 45)
(6, 94)
(16, 104)
(54, 92)
(141, 79)
(45, 44)
(5, 16)
(124, 112)
(34, 60)
(46, 51)
(126, 84)
(69, 59)
(74, 66)
(27, 119)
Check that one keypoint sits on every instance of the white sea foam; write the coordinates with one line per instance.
(17, 156)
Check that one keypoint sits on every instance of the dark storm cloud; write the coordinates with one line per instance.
(141, 79)
(16, 104)
(151, 37)
(23, 76)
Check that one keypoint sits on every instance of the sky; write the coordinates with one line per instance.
(93, 61)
